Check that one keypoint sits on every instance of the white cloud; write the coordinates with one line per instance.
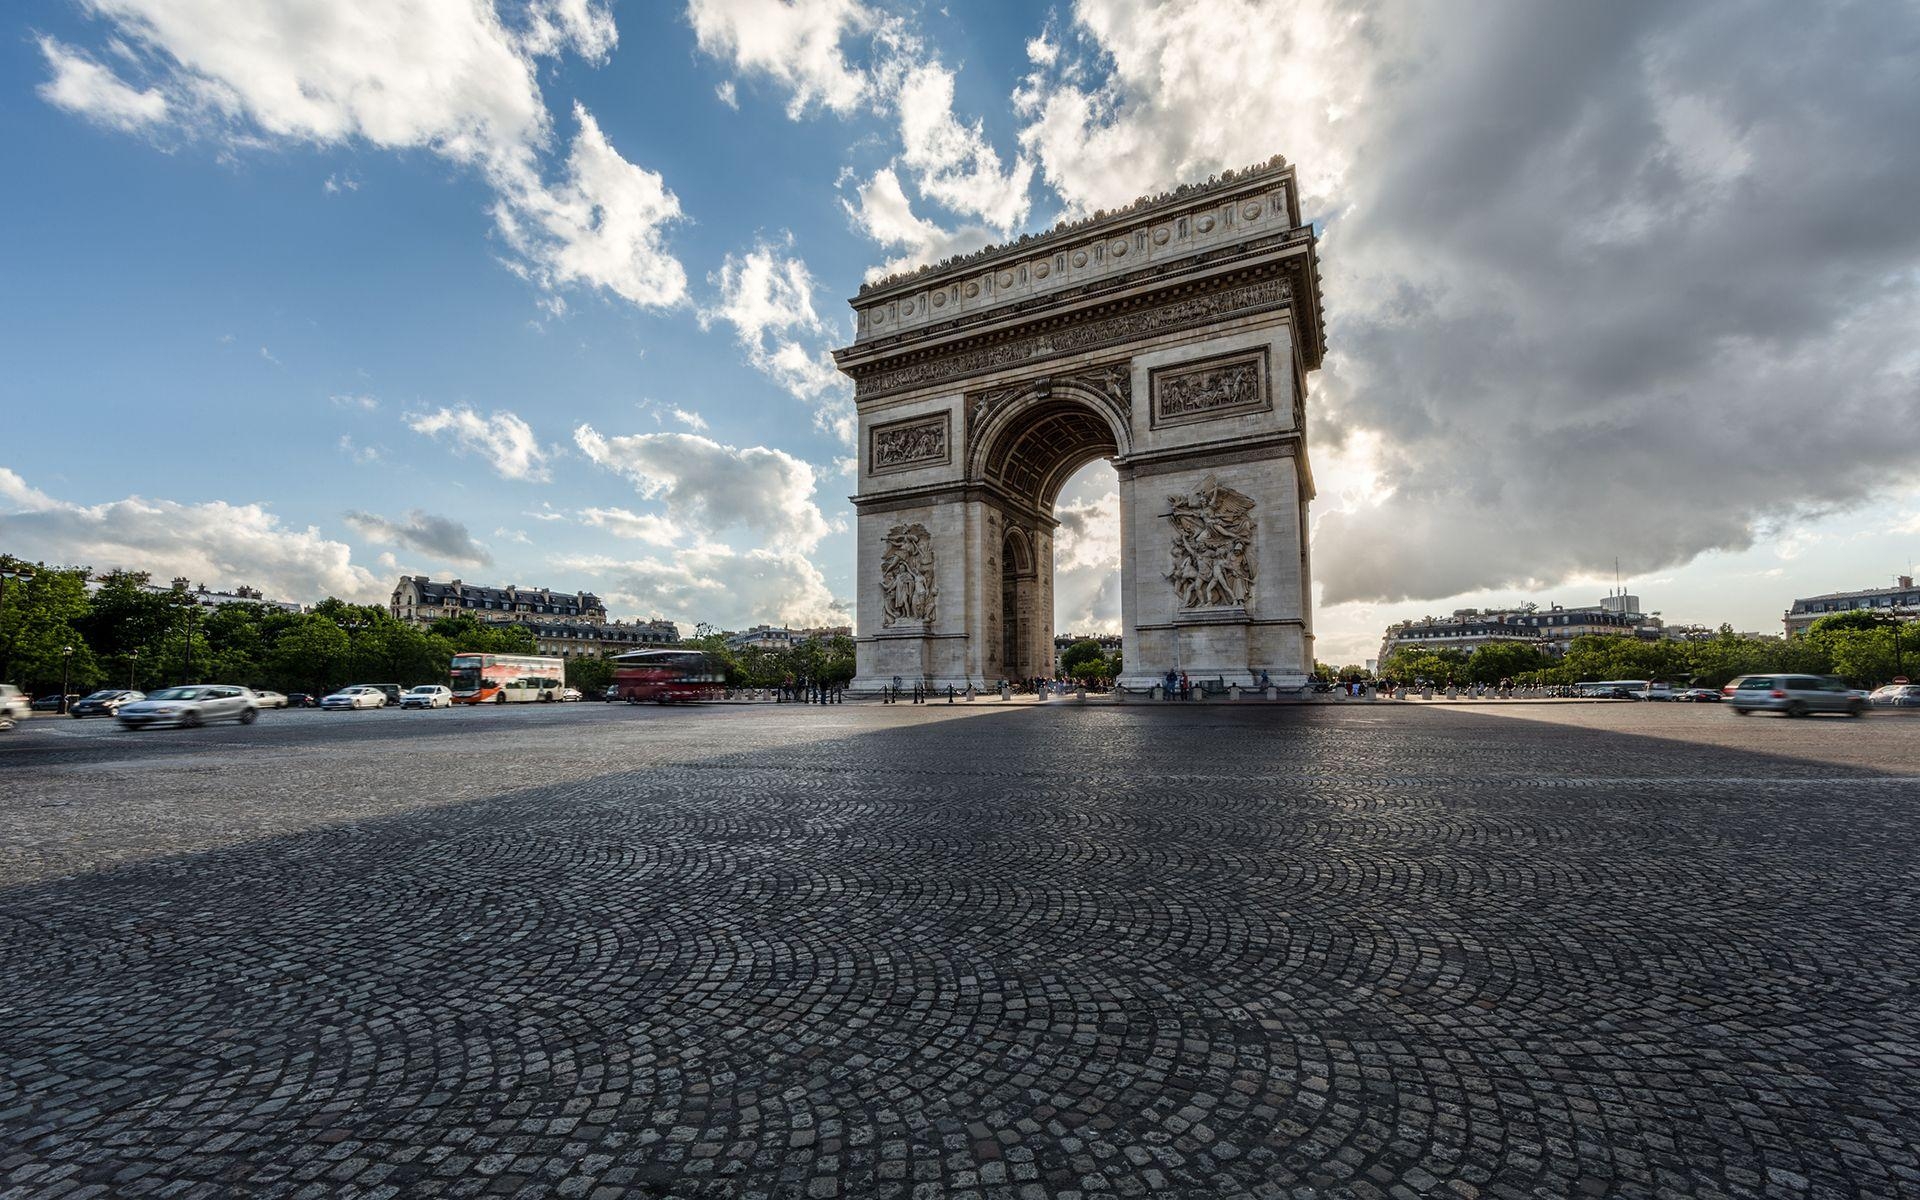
(601, 225)
(795, 44)
(83, 86)
(217, 543)
(956, 166)
(512, 535)
(692, 420)
(709, 487)
(768, 299)
(713, 582)
(364, 455)
(882, 211)
(621, 523)
(457, 79)
(441, 537)
(1177, 100)
(361, 401)
(503, 439)
(268, 356)
(341, 181)
(728, 95)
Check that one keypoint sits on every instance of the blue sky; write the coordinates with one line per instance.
(541, 292)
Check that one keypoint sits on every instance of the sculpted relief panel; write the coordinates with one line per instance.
(903, 445)
(1217, 387)
(1213, 554)
(907, 588)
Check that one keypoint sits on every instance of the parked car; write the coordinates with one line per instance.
(1793, 695)
(103, 704)
(271, 699)
(357, 695)
(1896, 695)
(54, 701)
(13, 705)
(427, 695)
(391, 691)
(570, 694)
(302, 700)
(1698, 696)
(191, 706)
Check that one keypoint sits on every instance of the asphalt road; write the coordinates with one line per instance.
(987, 950)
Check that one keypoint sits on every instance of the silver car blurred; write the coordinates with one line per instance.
(191, 706)
(1794, 695)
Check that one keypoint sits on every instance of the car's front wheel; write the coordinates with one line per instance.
(192, 719)
(1856, 709)
(249, 715)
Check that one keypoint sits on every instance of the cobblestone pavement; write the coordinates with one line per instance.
(968, 952)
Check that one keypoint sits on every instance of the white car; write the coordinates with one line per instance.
(427, 695)
(569, 694)
(355, 697)
(271, 699)
(191, 706)
(13, 705)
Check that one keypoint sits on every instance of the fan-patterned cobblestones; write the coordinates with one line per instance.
(1075, 953)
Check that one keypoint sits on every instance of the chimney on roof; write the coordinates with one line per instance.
(1906, 581)
(180, 583)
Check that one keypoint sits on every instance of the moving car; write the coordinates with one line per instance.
(302, 700)
(390, 690)
(571, 693)
(13, 705)
(355, 696)
(427, 695)
(270, 699)
(1896, 695)
(104, 703)
(191, 706)
(54, 701)
(1793, 695)
(1698, 696)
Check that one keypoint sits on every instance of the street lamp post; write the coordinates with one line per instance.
(133, 665)
(352, 627)
(192, 610)
(66, 674)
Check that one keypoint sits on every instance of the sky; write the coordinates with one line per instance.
(311, 294)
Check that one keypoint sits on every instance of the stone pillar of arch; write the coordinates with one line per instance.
(1172, 338)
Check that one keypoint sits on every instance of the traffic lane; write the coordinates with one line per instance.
(85, 798)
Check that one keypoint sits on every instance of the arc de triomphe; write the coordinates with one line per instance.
(1173, 337)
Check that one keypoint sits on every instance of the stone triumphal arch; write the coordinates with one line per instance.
(1172, 337)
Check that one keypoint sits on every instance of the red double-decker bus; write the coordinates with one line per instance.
(667, 676)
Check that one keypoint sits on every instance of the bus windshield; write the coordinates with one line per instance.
(466, 671)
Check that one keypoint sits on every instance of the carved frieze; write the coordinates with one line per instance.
(1258, 295)
(1213, 550)
(908, 590)
(906, 445)
(1225, 386)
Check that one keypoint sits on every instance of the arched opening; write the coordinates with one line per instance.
(1086, 553)
(1029, 448)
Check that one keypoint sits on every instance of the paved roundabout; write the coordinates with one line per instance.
(888, 952)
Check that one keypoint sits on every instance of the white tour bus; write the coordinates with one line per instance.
(1639, 689)
(506, 678)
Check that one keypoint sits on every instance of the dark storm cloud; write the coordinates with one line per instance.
(1622, 280)
(440, 537)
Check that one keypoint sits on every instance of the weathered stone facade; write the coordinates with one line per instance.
(1172, 337)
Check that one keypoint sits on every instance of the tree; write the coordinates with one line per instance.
(1854, 619)
(1079, 655)
(1504, 660)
